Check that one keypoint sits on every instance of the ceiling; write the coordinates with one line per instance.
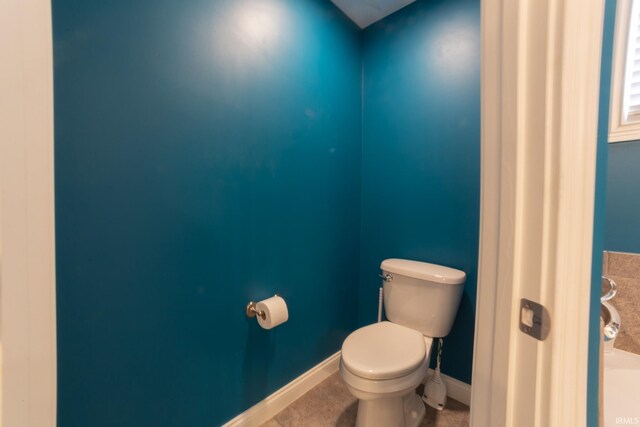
(366, 12)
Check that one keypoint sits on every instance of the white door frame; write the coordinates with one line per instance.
(540, 84)
(27, 261)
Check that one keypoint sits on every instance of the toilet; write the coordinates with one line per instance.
(383, 363)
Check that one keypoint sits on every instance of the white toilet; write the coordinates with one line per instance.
(382, 364)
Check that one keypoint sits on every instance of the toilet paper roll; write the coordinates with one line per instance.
(275, 311)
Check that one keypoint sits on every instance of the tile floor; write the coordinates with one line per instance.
(330, 404)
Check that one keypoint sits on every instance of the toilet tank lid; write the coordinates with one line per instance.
(424, 271)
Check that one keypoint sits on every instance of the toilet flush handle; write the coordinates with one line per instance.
(386, 277)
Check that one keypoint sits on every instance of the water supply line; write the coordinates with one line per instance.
(386, 278)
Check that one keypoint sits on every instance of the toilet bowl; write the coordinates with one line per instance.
(383, 363)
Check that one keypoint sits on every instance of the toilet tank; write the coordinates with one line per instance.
(422, 296)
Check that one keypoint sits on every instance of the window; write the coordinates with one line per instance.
(624, 116)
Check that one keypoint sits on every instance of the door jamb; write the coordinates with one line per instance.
(540, 86)
(27, 244)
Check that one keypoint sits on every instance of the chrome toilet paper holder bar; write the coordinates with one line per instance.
(252, 311)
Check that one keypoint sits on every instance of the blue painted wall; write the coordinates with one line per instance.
(207, 153)
(421, 153)
(622, 230)
(593, 380)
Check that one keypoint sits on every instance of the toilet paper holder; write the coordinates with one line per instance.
(251, 311)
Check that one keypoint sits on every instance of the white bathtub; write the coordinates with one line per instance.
(621, 389)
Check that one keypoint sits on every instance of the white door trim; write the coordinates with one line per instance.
(540, 81)
(27, 262)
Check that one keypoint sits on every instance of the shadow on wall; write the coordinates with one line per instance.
(258, 355)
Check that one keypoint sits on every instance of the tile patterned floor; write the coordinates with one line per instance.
(330, 404)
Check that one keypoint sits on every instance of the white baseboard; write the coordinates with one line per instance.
(266, 409)
(456, 389)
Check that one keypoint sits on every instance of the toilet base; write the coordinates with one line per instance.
(397, 411)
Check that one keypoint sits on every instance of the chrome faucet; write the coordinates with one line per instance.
(613, 289)
(609, 315)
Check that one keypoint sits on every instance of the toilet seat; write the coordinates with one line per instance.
(364, 388)
(384, 351)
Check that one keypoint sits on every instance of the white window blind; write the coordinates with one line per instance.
(631, 95)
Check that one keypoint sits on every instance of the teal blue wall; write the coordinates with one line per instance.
(206, 153)
(421, 153)
(209, 153)
(622, 230)
(593, 380)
